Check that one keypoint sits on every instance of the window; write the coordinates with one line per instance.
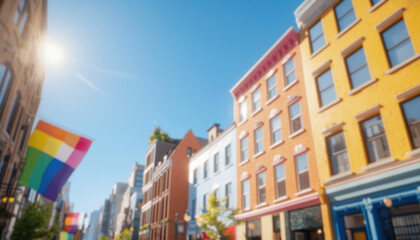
(295, 117)
(3, 167)
(326, 87)
(374, 2)
(242, 111)
(276, 224)
(21, 16)
(357, 68)
(228, 155)
(412, 118)
(275, 126)
(256, 100)
(246, 195)
(5, 85)
(244, 149)
(206, 169)
(258, 138)
(17, 124)
(253, 229)
(205, 200)
(13, 113)
(375, 140)
(195, 176)
(189, 151)
(345, 14)
(397, 43)
(302, 172)
(261, 188)
(216, 192)
(280, 181)
(289, 71)
(271, 87)
(337, 151)
(316, 35)
(216, 162)
(228, 193)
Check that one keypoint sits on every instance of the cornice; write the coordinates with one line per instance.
(283, 46)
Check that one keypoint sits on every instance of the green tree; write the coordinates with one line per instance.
(33, 223)
(103, 237)
(159, 135)
(215, 222)
(125, 235)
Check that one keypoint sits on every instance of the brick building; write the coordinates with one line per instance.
(277, 173)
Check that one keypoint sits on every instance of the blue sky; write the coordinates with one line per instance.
(131, 65)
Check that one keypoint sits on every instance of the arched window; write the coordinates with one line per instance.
(21, 15)
(6, 79)
(13, 114)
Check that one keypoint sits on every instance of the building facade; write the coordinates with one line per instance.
(277, 172)
(170, 190)
(213, 170)
(22, 30)
(361, 63)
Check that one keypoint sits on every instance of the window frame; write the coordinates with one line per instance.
(195, 176)
(206, 169)
(289, 73)
(244, 148)
(332, 85)
(341, 151)
(246, 196)
(365, 65)
(311, 41)
(379, 136)
(256, 100)
(274, 131)
(228, 154)
(337, 18)
(270, 95)
(216, 162)
(5, 86)
(243, 111)
(410, 134)
(258, 141)
(228, 193)
(299, 173)
(21, 17)
(292, 118)
(278, 181)
(261, 198)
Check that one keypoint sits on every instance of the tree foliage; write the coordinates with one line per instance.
(158, 134)
(33, 224)
(125, 235)
(103, 237)
(215, 222)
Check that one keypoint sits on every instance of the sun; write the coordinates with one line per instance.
(51, 53)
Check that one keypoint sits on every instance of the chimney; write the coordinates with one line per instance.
(213, 132)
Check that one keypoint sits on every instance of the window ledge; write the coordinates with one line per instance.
(325, 107)
(403, 64)
(339, 176)
(229, 165)
(256, 112)
(319, 50)
(258, 154)
(361, 87)
(290, 85)
(242, 122)
(342, 32)
(205, 179)
(272, 99)
(297, 133)
(195, 185)
(413, 153)
(377, 5)
(276, 144)
(261, 205)
(244, 162)
(281, 199)
(216, 173)
(305, 191)
(378, 163)
(411, 92)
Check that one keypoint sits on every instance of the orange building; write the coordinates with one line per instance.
(165, 196)
(277, 172)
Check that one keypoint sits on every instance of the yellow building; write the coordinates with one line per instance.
(362, 75)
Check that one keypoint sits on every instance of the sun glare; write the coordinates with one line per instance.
(51, 53)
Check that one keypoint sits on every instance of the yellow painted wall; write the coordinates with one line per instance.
(381, 92)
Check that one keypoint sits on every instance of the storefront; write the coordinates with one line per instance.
(379, 206)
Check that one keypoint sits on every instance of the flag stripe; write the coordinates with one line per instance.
(34, 154)
(39, 170)
(58, 182)
(49, 175)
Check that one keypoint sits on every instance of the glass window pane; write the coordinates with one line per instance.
(316, 35)
(295, 109)
(338, 153)
(360, 77)
(328, 96)
(401, 52)
(325, 80)
(256, 100)
(242, 111)
(397, 43)
(412, 118)
(279, 171)
(326, 87)
(302, 163)
(375, 139)
(345, 14)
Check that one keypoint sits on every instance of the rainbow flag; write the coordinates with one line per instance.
(65, 236)
(52, 156)
(71, 223)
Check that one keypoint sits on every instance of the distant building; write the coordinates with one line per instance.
(22, 30)
(91, 231)
(104, 218)
(116, 201)
(169, 189)
(213, 170)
